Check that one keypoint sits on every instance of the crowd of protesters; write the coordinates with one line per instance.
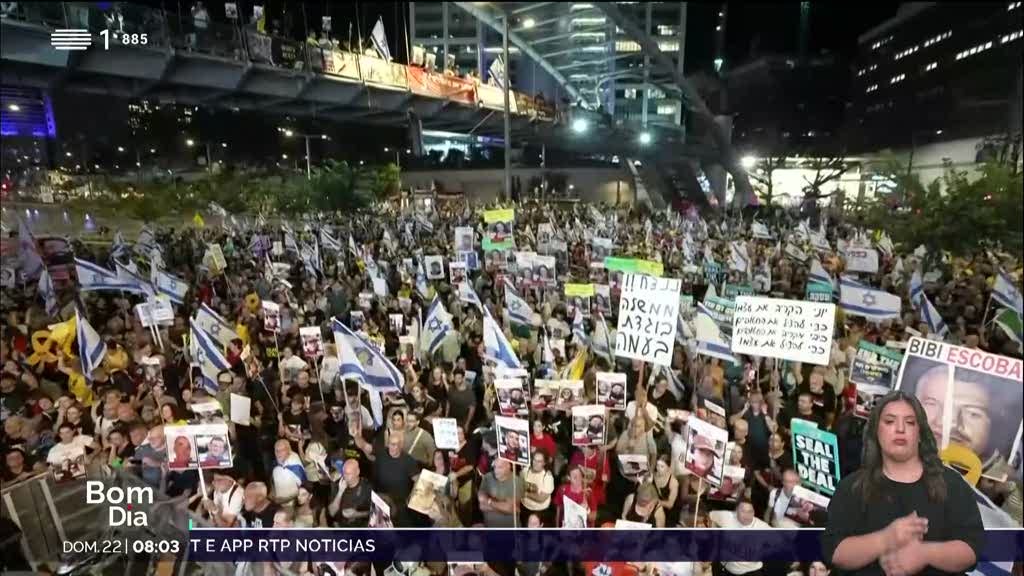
(313, 452)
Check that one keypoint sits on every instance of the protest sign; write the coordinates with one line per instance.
(380, 512)
(603, 298)
(588, 425)
(818, 291)
(429, 486)
(277, 248)
(573, 515)
(380, 286)
(544, 394)
(271, 316)
(787, 329)
(512, 396)
(513, 436)
(731, 291)
(621, 524)
(569, 392)
(365, 300)
(241, 407)
(874, 372)
(600, 248)
(397, 323)
(406, 348)
(648, 310)
(804, 505)
(634, 466)
(611, 390)
(581, 290)
(705, 450)
(217, 261)
(470, 259)
(713, 328)
(446, 433)
(463, 239)
(815, 456)
(498, 234)
(198, 445)
(457, 272)
(312, 341)
(435, 267)
(861, 259)
(971, 397)
(634, 266)
(713, 273)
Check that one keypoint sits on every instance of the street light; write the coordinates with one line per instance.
(645, 138)
(13, 107)
(209, 156)
(120, 148)
(529, 23)
(289, 133)
(190, 142)
(68, 154)
(580, 125)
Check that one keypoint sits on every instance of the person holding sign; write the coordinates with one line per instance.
(903, 512)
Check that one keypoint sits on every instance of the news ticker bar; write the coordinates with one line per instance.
(524, 545)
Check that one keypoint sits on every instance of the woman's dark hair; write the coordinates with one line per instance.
(869, 483)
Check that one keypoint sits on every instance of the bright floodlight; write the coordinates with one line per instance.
(580, 125)
(529, 23)
(645, 138)
(13, 107)
(288, 133)
(190, 142)
(748, 162)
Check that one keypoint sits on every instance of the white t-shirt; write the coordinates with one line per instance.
(727, 519)
(61, 451)
(678, 446)
(545, 484)
(229, 502)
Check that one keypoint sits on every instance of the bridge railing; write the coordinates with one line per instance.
(215, 38)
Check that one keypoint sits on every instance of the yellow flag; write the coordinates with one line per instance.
(198, 221)
(575, 369)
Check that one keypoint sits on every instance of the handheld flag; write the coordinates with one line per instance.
(496, 346)
(579, 332)
(936, 325)
(362, 361)
(603, 343)
(328, 241)
(469, 296)
(859, 300)
(217, 326)
(519, 311)
(1006, 293)
(93, 278)
(207, 356)
(28, 253)
(91, 348)
(173, 288)
(380, 40)
(47, 292)
(436, 327)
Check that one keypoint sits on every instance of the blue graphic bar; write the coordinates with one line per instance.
(525, 545)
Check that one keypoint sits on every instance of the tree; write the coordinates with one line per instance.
(387, 180)
(763, 175)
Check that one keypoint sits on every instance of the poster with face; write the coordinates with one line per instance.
(499, 229)
(152, 373)
(611, 390)
(429, 486)
(181, 448)
(588, 425)
(464, 239)
(523, 269)
(705, 451)
(457, 272)
(513, 439)
(380, 512)
(545, 234)
(470, 259)
(544, 271)
(570, 393)
(271, 316)
(435, 267)
(356, 320)
(498, 259)
(805, 505)
(600, 248)
(406, 348)
(512, 397)
(544, 394)
(633, 465)
(970, 397)
(573, 515)
(312, 341)
(598, 273)
(603, 299)
(365, 300)
(213, 450)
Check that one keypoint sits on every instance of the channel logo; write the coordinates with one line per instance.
(70, 39)
(120, 501)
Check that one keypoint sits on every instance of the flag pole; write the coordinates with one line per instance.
(696, 508)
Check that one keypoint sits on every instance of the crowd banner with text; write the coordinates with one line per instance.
(499, 232)
(818, 291)
(787, 329)
(648, 310)
(382, 73)
(731, 291)
(437, 85)
(579, 290)
(815, 456)
(493, 97)
(342, 64)
(861, 259)
(634, 265)
(971, 397)
(713, 327)
(874, 372)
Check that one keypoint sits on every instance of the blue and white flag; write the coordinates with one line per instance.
(218, 210)
(361, 360)
(519, 311)
(146, 242)
(738, 258)
(130, 273)
(496, 346)
(328, 241)
(497, 72)
(119, 249)
(760, 231)
(380, 40)
(208, 320)
(711, 341)
(936, 325)
(91, 348)
(421, 281)
(93, 278)
(858, 300)
(259, 245)
(818, 273)
(287, 228)
(206, 354)
(579, 331)
(352, 246)
(173, 288)
(916, 288)
(468, 295)
(29, 260)
(289, 243)
(48, 293)
(1006, 293)
(437, 326)
(896, 275)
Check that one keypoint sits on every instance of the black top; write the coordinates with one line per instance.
(957, 518)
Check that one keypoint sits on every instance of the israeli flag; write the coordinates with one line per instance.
(760, 231)
(936, 325)
(710, 340)
(28, 253)
(820, 242)
(361, 360)
(47, 292)
(436, 327)
(1006, 293)
(819, 274)
(421, 281)
(93, 278)
(289, 243)
(604, 338)
(215, 324)
(519, 312)
(579, 332)
(352, 246)
(119, 249)
(130, 273)
(173, 288)
(496, 346)
(497, 72)
(897, 272)
(469, 296)
(709, 257)
(207, 356)
(738, 258)
(916, 288)
(885, 245)
(858, 300)
(91, 348)
(146, 242)
(218, 210)
(380, 40)
(328, 241)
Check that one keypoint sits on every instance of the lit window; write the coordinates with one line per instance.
(897, 79)
(872, 88)
(905, 53)
(586, 21)
(669, 46)
(666, 30)
(975, 50)
(931, 66)
(1013, 6)
(626, 46)
(1011, 37)
(861, 72)
(666, 109)
(873, 67)
(629, 93)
